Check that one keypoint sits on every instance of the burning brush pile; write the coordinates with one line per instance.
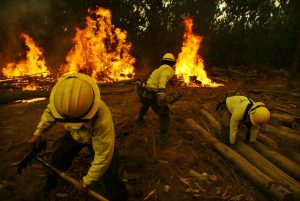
(103, 52)
(100, 50)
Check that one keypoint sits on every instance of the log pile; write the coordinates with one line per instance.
(264, 165)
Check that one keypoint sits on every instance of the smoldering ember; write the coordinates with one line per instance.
(149, 100)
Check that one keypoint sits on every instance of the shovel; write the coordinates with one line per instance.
(34, 155)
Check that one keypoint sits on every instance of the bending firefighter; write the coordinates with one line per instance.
(75, 102)
(152, 93)
(252, 114)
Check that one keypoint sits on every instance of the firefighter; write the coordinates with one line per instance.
(153, 94)
(75, 102)
(252, 114)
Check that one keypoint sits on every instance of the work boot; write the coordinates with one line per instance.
(163, 139)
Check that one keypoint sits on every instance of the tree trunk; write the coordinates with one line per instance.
(281, 132)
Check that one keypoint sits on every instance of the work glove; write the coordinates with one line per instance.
(161, 99)
(33, 141)
(80, 191)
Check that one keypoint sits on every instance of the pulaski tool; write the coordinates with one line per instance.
(34, 155)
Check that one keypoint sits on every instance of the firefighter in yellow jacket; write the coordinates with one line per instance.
(75, 102)
(252, 114)
(153, 94)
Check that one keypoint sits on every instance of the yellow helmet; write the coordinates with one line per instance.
(168, 57)
(74, 98)
(259, 114)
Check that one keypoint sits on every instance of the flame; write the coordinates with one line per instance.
(33, 65)
(189, 63)
(30, 87)
(100, 49)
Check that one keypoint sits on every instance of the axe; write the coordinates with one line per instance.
(34, 155)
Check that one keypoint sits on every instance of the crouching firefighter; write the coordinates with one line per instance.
(246, 111)
(152, 93)
(75, 102)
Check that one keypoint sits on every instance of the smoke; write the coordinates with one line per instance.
(17, 16)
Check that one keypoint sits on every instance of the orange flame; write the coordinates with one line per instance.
(189, 63)
(33, 65)
(30, 87)
(101, 50)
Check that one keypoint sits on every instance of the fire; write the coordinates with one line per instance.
(34, 64)
(30, 87)
(100, 49)
(189, 63)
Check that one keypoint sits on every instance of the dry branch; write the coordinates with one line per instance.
(268, 168)
(258, 178)
(292, 168)
(281, 132)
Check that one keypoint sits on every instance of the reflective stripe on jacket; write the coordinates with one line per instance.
(99, 132)
(237, 105)
(160, 77)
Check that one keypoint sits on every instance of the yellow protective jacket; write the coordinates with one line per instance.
(237, 106)
(160, 77)
(99, 132)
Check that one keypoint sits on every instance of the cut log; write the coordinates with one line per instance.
(287, 110)
(286, 120)
(281, 132)
(268, 168)
(267, 140)
(285, 164)
(212, 121)
(264, 182)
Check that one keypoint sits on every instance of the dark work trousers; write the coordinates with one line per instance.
(163, 112)
(66, 149)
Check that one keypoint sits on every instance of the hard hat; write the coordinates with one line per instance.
(74, 98)
(259, 114)
(168, 57)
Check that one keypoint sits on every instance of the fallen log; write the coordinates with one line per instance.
(291, 111)
(268, 168)
(264, 182)
(286, 120)
(10, 97)
(212, 121)
(285, 164)
(128, 81)
(267, 128)
(267, 140)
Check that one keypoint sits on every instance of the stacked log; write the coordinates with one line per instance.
(285, 164)
(268, 168)
(282, 132)
(267, 184)
(286, 120)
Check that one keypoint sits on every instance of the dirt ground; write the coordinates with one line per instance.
(150, 173)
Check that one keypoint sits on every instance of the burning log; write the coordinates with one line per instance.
(121, 82)
(292, 168)
(281, 132)
(268, 168)
(258, 178)
(286, 120)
